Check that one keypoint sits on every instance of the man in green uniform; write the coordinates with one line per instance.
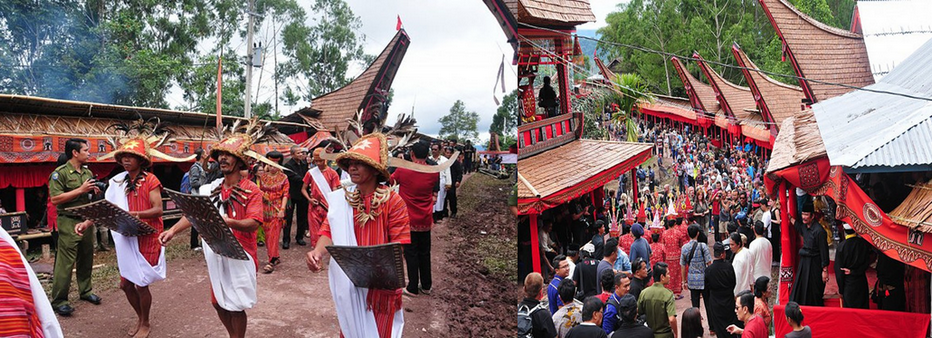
(71, 185)
(657, 303)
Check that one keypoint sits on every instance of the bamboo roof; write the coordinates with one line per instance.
(780, 100)
(560, 13)
(916, 210)
(735, 100)
(822, 52)
(799, 141)
(701, 95)
(566, 172)
(366, 92)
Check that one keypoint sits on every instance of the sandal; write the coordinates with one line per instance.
(275, 261)
(268, 268)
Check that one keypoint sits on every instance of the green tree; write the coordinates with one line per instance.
(459, 124)
(505, 121)
(320, 55)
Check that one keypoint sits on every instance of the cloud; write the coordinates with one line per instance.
(456, 49)
(601, 8)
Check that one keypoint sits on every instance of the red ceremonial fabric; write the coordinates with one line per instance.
(842, 322)
(390, 226)
(149, 245)
(417, 190)
(18, 315)
(317, 213)
(252, 210)
(274, 189)
(854, 207)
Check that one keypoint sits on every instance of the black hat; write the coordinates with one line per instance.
(808, 207)
(627, 306)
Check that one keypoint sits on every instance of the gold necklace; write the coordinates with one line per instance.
(379, 196)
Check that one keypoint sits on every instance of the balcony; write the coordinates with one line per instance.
(539, 136)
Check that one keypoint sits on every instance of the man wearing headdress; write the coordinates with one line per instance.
(367, 213)
(812, 270)
(275, 187)
(232, 281)
(70, 185)
(141, 259)
(318, 182)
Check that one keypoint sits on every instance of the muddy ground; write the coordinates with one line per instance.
(473, 260)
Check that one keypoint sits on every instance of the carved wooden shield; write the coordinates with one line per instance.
(106, 214)
(374, 267)
(209, 224)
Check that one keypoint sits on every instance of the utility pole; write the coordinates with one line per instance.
(247, 112)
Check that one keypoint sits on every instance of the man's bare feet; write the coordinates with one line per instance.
(143, 331)
(133, 329)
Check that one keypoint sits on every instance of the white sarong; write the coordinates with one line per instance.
(133, 266)
(233, 281)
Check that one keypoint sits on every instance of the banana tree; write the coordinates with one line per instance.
(627, 91)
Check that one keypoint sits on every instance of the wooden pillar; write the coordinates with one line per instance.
(20, 199)
(535, 245)
(783, 294)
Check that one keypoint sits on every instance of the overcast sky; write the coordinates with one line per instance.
(600, 8)
(456, 49)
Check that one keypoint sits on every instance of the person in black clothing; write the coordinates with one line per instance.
(540, 319)
(591, 326)
(547, 98)
(469, 153)
(298, 167)
(852, 258)
(640, 279)
(632, 326)
(890, 283)
(812, 270)
(456, 171)
(598, 238)
(720, 282)
(585, 273)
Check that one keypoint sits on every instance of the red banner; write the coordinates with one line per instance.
(854, 207)
(841, 322)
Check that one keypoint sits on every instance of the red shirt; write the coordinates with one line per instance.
(391, 226)
(332, 179)
(417, 190)
(149, 245)
(252, 210)
(755, 328)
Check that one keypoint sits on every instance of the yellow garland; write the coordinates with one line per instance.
(355, 201)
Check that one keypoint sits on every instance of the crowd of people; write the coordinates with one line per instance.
(396, 199)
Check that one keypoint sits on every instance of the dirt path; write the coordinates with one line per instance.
(294, 302)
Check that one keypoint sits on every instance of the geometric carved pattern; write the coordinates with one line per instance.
(374, 267)
(106, 214)
(209, 224)
(809, 175)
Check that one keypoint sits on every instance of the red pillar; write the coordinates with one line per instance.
(20, 199)
(535, 244)
(783, 295)
(634, 187)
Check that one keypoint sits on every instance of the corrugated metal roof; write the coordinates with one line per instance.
(865, 129)
(893, 30)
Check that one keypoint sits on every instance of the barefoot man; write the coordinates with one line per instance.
(141, 259)
(233, 286)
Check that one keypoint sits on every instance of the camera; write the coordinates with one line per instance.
(103, 189)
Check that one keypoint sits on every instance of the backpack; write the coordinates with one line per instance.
(186, 184)
(525, 322)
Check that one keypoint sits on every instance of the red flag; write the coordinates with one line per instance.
(219, 87)
(398, 25)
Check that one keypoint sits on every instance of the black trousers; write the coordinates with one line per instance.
(417, 256)
(195, 242)
(694, 298)
(450, 202)
(299, 205)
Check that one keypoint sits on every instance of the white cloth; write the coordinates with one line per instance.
(320, 181)
(761, 254)
(767, 219)
(356, 320)
(133, 266)
(50, 326)
(233, 281)
(445, 179)
(742, 265)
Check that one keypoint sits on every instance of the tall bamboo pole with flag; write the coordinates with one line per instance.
(219, 90)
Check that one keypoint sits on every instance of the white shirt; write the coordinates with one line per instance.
(572, 266)
(768, 221)
(761, 252)
(742, 265)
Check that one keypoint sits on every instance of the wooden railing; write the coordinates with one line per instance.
(540, 136)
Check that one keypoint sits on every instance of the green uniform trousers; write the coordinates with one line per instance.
(74, 252)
